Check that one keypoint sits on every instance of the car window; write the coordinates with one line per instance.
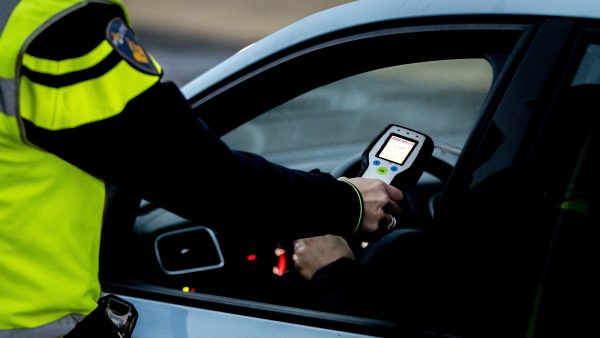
(321, 127)
(333, 123)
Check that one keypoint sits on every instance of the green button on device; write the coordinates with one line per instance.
(382, 170)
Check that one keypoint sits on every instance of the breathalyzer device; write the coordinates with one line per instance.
(397, 156)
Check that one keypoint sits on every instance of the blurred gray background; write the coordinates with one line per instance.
(189, 36)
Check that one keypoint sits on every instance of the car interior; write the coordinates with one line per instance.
(215, 261)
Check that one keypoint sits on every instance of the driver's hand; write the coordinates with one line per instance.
(381, 202)
(313, 253)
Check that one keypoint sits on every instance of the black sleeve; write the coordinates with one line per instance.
(393, 278)
(157, 147)
(337, 287)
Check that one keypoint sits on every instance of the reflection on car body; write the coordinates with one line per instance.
(506, 89)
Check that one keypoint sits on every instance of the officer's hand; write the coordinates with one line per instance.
(381, 202)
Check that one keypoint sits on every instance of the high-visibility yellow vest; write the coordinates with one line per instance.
(50, 210)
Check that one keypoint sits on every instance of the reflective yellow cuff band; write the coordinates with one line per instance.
(360, 202)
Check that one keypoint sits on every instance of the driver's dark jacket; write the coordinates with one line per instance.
(159, 149)
(390, 279)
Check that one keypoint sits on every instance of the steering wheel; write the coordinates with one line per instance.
(424, 201)
(383, 252)
(349, 168)
(435, 166)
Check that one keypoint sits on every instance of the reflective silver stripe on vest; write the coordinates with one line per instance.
(7, 86)
(57, 328)
(8, 96)
(6, 8)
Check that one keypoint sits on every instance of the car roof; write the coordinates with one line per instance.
(363, 12)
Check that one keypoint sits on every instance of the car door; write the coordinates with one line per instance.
(568, 148)
(315, 105)
(506, 220)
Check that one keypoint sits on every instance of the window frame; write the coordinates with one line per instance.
(305, 64)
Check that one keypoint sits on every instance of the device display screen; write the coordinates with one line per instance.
(397, 149)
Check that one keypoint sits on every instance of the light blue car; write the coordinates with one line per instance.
(501, 232)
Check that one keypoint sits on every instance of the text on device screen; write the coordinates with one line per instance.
(397, 149)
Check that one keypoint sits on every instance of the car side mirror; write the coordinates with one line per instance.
(188, 250)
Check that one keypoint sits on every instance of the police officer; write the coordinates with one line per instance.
(82, 104)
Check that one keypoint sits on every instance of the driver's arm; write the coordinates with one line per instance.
(333, 275)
